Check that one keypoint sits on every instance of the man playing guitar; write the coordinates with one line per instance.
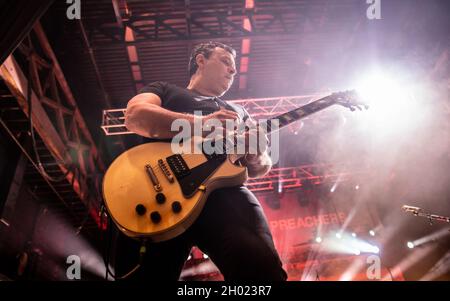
(231, 228)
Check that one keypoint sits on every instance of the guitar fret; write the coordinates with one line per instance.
(296, 114)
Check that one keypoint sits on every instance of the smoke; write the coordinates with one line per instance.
(58, 240)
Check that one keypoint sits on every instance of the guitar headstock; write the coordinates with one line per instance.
(349, 99)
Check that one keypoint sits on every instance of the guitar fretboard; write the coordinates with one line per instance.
(299, 113)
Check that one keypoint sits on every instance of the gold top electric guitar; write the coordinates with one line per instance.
(151, 192)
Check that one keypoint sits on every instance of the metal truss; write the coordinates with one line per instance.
(176, 27)
(304, 176)
(113, 121)
(269, 107)
(56, 118)
(186, 21)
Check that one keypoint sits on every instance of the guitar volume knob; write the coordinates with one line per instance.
(160, 198)
(140, 209)
(176, 207)
(155, 217)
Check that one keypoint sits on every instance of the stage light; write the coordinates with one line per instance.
(347, 243)
(357, 187)
(189, 257)
(318, 239)
(280, 187)
(205, 256)
(372, 233)
(433, 237)
(394, 103)
(61, 238)
(336, 183)
(362, 246)
(410, 245)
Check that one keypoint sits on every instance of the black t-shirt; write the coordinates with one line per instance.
(182, 100)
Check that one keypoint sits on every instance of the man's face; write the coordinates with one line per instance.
(218, 71)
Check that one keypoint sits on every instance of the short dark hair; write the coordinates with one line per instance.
(206, 49)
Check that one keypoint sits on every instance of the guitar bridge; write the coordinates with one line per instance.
(153, 178)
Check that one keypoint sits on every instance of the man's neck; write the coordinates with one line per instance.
(196, 86)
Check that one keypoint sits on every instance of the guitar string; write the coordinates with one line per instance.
(157, 165)
(157, 170)
(182, 155)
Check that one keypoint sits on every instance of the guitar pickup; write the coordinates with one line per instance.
(178, 166)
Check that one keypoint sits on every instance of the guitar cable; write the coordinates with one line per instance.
(142, 251)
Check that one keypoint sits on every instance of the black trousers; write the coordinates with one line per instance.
(233, 231)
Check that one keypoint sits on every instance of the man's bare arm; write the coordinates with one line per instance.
(147, 118)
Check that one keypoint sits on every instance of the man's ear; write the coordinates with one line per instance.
(200, 60)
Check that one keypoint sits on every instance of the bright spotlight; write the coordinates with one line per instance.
(346, 244)
(280, 187)
(333, 188)
(410, 245)
(205, 256)
(372, 233)
(391, 102)
(189, 257)
(433, 237)
(357, 187)
(318, 239)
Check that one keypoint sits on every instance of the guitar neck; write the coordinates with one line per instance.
(299, 113)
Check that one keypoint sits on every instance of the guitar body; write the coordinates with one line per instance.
(141, 211)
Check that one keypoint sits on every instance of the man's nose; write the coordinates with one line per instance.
(232, 70)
